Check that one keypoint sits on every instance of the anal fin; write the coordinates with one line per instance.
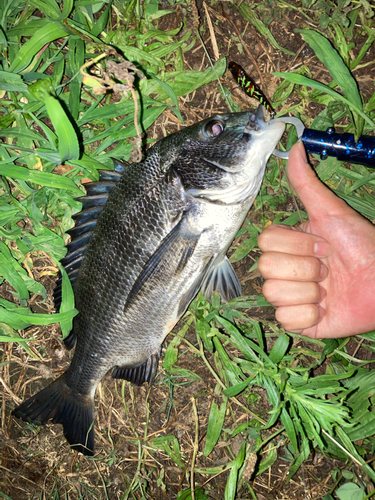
(223, 279)
(146, 372)
(70, 340)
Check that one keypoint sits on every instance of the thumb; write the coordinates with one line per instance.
(317, 198)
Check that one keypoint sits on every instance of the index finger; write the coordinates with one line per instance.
(285, 239)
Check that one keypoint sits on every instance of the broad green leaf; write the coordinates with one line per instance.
(366, 429)
(245, 345)
(280, 348)
(12, 82)
(215, 425)
(231, 486)
(28, 27)
(237, 388)
(76, 61)
(273, 396)
(350, 491)
(203, 329)
(185, 373)
(5, 497)
(68, 142)
(268, 461)
(233, 372)
(244, 248)
(43, 36)
(135, 54)
(89, 164)
(349, 446)
(101, 23)
(19, 134)
(289, 427)
(186, 495)
(7, 338)
(362, 206)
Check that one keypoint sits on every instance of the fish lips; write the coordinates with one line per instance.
(259, 122)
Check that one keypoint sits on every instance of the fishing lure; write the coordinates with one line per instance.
(248, 85)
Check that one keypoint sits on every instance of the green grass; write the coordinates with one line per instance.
(54, 111)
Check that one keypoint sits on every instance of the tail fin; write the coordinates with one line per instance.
(64, 406)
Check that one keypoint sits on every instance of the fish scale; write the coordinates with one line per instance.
(150, 236)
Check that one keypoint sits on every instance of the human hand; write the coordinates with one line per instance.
(321, 275)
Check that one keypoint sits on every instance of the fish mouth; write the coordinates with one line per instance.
(260, 122)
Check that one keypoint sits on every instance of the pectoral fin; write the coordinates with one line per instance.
(223, 279)
(169, 260)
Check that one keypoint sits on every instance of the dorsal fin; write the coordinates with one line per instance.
(95, 200)
(119, 166)
(92, 204)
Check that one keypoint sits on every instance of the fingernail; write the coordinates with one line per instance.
(302, 151)
(322, 249)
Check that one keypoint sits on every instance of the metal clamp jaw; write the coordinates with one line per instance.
(299, 126)
(342, 146)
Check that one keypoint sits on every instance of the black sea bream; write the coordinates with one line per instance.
(161, 236)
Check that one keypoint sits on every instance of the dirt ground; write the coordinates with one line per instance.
(36, 463)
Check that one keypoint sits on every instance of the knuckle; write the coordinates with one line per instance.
(312, 315)
(312, 267)
(263, 263)
(315, 293)
(263, 239)
(298, 317)
(269, 290)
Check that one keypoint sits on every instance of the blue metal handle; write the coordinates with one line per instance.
(342, 146)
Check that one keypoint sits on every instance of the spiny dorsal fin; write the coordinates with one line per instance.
(85, 221)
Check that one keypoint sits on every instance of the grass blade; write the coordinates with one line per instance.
(43, 36)
(247, 11)
(38, 177)
(231, 486)
(215, 424)
(13, 278)
(20, 321)
(335, 65)
(308, 82)
(280, 348)
(67, 303)
(169, 91)
(68, 142)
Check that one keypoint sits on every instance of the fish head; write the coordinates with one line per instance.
(223, 158)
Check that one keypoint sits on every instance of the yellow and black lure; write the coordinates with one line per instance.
(248, 85)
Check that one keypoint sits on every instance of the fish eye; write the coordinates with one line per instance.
(214, 128)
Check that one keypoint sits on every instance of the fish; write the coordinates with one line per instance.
(149, 237)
